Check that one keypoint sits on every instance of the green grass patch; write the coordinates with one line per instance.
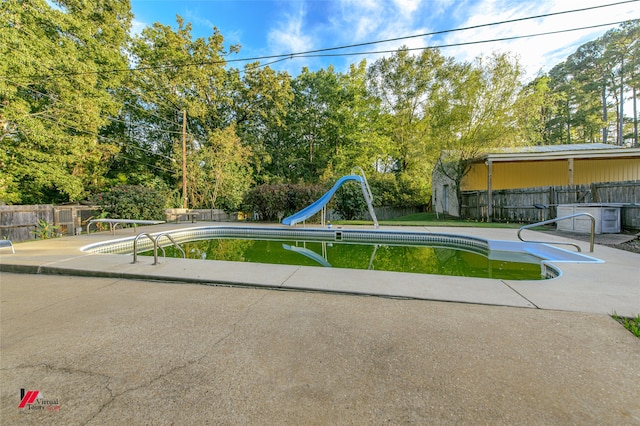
(632, 324)
(431, 219)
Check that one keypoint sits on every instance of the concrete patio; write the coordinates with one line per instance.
(117, 349)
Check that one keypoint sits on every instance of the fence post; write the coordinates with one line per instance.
(56, 216)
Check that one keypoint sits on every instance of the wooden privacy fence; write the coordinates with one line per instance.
(519, 205)
(20, 223)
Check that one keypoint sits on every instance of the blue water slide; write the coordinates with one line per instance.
(314, 208)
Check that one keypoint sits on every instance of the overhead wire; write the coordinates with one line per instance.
(465, 43)
(472, 27)
(146, 111)
(113, 141)
(58, 101)
(97, 135)
(316, 52)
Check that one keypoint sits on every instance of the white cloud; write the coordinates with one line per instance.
(137, 27)
(381, 20)
(288, 36)
(349, 22)
(535, 53)
(407, 7)
(197, 19)
(358, 20)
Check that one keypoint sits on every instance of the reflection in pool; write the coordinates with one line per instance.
(422, 259)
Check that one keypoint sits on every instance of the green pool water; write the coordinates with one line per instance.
(380, 257)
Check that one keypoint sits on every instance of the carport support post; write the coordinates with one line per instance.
(489, 190)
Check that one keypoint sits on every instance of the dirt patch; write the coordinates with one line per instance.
(632, 246)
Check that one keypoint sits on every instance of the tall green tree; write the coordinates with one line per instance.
(178, 76)
(406, 85)
(535, 105)
(589, 77)
(593, 85)
(362, 140)
(475, 112)
(311, 126)
(175, 76)
(622, 55)
(56, 92)
(261, 97)
(219, 171)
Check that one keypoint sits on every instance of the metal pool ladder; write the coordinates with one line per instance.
(154, 240)
(546, 222)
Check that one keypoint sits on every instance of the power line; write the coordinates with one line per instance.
(58, 101)
(473, 27)
(316, 52)
(55, 120)
(466, 43)
(100, 137)
(81, 64)
(119, 154)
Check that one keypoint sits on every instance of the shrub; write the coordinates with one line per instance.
(45, 230)
(131, 202)
(274, 201)
(385, 189)
(350, 202)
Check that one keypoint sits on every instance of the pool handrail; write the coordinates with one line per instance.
(155, 245)
(546, 222)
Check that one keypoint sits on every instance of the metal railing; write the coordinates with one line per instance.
(368, 195)
(571, 216)
(155, 246)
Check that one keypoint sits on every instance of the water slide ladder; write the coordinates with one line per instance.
(366, 191)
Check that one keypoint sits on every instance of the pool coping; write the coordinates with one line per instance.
(609, 287)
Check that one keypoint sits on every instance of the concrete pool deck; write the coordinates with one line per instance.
(120, 350)
(609, 287)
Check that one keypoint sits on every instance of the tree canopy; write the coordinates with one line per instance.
(57, 94)
(86, 106)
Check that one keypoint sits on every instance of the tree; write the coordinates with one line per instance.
(361, 140)
(474, 113)
(533, 109)
(174, 74)
(406, 85)
(225, 112)
(219, 171)
(56, 93)
(624, 59)
(310, 130)
(589, 78)
(592, 86)
(260, 101)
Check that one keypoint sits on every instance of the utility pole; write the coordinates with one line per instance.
(184, 158)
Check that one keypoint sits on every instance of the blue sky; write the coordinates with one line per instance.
(275, 27)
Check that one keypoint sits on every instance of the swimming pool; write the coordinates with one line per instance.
(334, 247)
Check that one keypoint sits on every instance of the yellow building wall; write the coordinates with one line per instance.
(606, 170)
(529, 174)
(476, 179)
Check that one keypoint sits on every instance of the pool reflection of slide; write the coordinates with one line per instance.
(308, 253)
